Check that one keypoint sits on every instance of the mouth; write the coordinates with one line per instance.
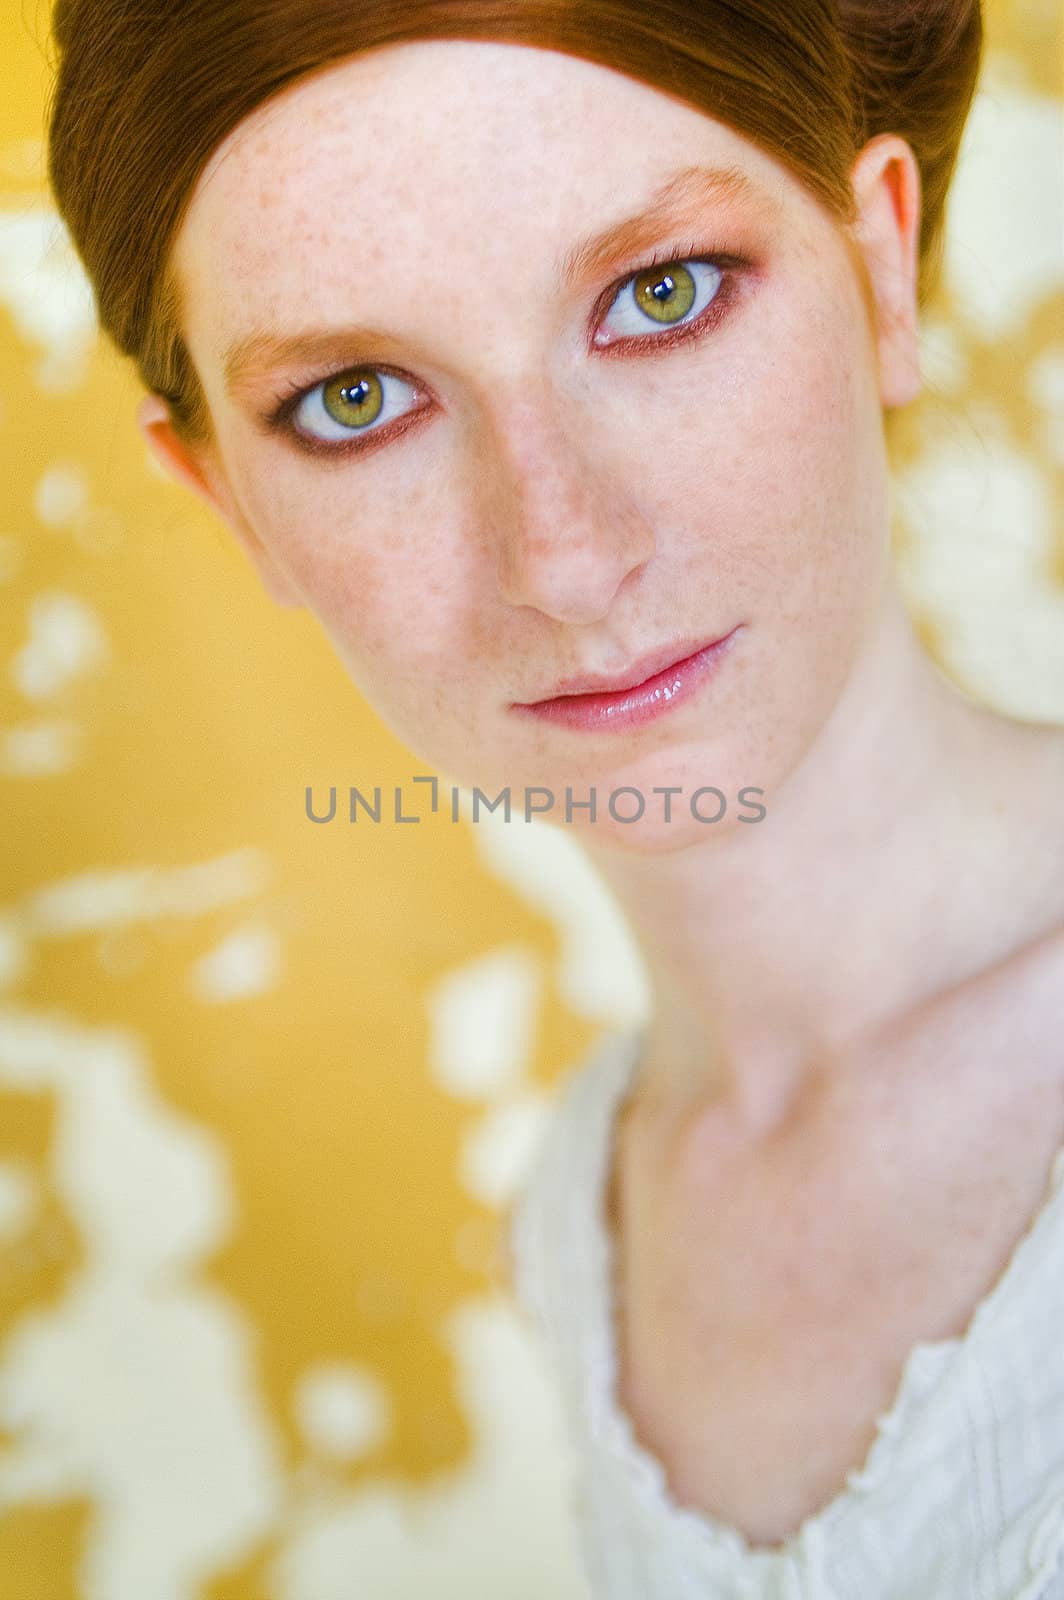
(651, 686)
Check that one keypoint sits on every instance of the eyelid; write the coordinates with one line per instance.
(730, 263)
(730, 266)
(667, 255)
(289, 402)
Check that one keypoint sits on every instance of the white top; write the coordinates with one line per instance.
(961, 1495)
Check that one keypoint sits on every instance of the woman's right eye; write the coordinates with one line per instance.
(347, 406)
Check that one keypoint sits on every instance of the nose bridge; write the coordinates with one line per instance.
(566, 529)
(540, 440)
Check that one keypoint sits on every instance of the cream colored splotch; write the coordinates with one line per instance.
(1045, 383)
(600, 974)
(1005, 244)
(499, 1525)
(40, 749)
(44, 288)
(66, 641)
(980, 561)
(137, 1389)
(18, 1198)
(482, 1017)
(343, 1411)
(498, 1150)
(14, 950)
(97, 899)
(61, 494)
(246, 962)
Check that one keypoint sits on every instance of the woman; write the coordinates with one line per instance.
(557, 344)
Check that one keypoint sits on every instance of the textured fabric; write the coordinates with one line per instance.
(961, 1496)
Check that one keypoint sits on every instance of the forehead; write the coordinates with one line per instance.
(418, 152)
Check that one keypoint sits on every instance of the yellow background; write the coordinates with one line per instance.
(266, 1088)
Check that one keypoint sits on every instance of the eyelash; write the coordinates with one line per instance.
(279, 418)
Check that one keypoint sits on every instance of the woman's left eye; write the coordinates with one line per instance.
(688, 294)
(665, 295)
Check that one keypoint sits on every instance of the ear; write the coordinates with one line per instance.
(200, 473)
(887, 189)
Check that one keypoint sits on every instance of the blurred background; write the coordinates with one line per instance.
(267, 1088)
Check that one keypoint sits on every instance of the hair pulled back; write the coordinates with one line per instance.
(144, 93)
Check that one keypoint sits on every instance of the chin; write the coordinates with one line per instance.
(653, 836)
(656, 802)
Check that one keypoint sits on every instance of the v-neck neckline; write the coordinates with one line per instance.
(927, 1364)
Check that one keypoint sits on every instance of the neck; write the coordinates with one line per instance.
(776, 947)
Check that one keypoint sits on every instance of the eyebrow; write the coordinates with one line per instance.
(703, 184)
(256, 354)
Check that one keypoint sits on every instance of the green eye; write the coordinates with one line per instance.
(665, 293)
(668, 292)
(353, 399)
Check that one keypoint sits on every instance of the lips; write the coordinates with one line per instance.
(638, 703)
(647, 667)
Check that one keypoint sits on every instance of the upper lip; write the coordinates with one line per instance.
(646, 667)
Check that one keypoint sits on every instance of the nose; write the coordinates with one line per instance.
(568, 530)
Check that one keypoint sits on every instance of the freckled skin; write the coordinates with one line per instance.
(563, 509)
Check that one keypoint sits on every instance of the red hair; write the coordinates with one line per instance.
(142, 97)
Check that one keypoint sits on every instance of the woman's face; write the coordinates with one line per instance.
(549, 463)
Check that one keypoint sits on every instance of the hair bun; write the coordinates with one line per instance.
(915, 65)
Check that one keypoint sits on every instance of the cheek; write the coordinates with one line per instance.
(381, 582)
(788, 491)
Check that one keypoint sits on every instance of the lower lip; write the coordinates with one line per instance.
(630, 708)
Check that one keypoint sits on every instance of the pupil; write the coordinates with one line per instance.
(663, 289)
(353, 389)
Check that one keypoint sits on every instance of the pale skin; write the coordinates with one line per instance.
(863, 989)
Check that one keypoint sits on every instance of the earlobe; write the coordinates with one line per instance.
(886, 186)
(185, 466)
